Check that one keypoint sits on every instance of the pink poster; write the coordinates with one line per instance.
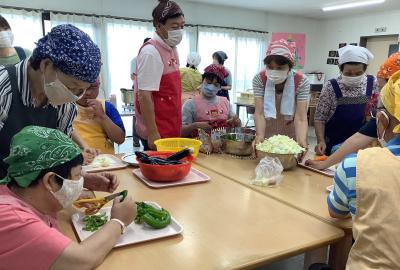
(300, 40)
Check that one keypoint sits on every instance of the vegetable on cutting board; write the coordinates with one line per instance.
(94, 222)
(320, 158)
(155, 218)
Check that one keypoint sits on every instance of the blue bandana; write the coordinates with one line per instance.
(72, 51)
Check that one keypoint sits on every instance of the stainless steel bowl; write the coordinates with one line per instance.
(128, 96)
(239, 144)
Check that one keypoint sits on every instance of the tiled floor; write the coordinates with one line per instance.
(294, 263)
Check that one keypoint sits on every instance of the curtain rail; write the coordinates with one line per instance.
(127, 18)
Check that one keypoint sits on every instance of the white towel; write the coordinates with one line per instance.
(288, 99)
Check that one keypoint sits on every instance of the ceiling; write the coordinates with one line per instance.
(304, 8)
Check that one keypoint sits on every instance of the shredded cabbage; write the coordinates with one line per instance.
(280, 144)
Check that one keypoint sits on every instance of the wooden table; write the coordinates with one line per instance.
(301, 189)
(225, 225)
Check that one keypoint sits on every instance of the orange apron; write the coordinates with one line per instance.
(376, 226)
(91, 131)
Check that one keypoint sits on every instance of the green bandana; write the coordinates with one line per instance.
(35, 149)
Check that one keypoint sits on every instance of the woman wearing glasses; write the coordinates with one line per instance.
(42, 90)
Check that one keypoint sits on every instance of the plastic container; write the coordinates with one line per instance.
(165, 173)
(177, 144)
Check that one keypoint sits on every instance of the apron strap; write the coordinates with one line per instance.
(12, 74)
(336, 88)
(20, 52)
(370, 85)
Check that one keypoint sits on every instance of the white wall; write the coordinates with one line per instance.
(349, 29)
(195, 13)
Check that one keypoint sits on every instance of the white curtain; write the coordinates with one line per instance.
(188, 44)
(245, 51)
(25, 25)
(213, 39)
(250, 53)
(94, 27)
(124, 39)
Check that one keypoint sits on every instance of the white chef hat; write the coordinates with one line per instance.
(351, 53)
(194, 59)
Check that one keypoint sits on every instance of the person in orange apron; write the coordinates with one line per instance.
(281, 96)
(98, 122)
(367, 186)
(158, 84)
(207, 110)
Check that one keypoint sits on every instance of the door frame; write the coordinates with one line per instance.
(364, 39)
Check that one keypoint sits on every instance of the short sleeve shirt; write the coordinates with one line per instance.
(27, 240)
(150, 67)
(302, 93)
(189, 111)
(327, 102)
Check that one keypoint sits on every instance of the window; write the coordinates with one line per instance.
(245, 51)
(188, 44)
(25, 25)
(124, 39)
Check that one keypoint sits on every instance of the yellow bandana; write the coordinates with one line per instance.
(390, 96)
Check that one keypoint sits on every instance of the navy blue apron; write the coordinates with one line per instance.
(349, 115)
(20, 116)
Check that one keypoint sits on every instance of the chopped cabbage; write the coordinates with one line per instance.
(280, 144)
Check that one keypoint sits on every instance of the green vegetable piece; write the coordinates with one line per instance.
(124, 193)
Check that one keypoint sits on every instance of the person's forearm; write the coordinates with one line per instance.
(320, 131)
(188, 129)
(147, 108)
(228, 87)
(78, 140)
(91, 252)
(114, 132)
(301, 127)
(356, 142)
(260, 125)
(100, 243)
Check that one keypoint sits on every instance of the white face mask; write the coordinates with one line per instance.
(276, 76)
(69, 192)
(352, 81)
(6, 39)
(57, 93)
(174, 37)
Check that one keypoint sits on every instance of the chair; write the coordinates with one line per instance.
(250, 110)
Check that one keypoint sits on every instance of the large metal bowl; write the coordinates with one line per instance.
(238, 144)
(128, 96)
(288, 161)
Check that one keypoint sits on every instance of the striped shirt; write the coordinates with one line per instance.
(342, 199)
(66, 112)
(302, 93)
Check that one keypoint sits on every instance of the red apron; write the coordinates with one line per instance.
(167, 101)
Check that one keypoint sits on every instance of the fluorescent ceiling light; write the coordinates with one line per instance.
(353, 5)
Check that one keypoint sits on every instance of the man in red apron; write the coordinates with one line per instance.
(158, 84)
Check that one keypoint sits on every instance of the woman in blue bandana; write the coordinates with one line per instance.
(42, 90)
